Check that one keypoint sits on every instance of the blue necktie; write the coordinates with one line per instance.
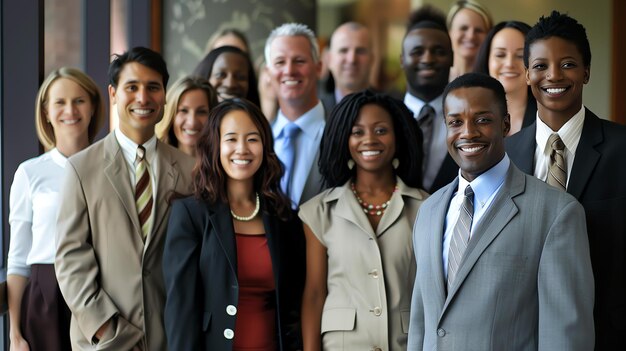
(287, 155)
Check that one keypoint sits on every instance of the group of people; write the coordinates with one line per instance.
(476, 213)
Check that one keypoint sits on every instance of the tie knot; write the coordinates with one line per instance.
(141, 153)
(556, 143)
(291, 129)
(426, 112)
(469, 192)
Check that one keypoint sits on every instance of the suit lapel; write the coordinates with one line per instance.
(499, 214)
(223, 228)
(521, 148)
(116, 172)
(586, 155)
(166, 179)
(437, 220)
(349, 209)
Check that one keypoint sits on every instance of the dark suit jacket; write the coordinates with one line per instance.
(448, 171)
(200, 274)
(598, 181)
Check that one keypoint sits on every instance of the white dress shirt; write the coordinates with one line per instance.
(129, 150)
(311, 125)
(485, 188)
(33, 206)
(437, 150)
(569, 133)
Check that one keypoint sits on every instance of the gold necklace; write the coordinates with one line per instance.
(250, 217)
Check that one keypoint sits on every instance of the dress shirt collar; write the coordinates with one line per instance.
(486, 184)
(58, 157)
(129, 147)
(569, 133)
(415, 105)
(310, 122)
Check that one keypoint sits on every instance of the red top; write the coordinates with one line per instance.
(255, 326)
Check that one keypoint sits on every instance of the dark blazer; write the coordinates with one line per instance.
(200, 271)
(448, 171)
(530, 114)
(598, 182)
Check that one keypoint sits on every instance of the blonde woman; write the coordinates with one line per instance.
(468, 24)
(68, 114)
(189, 101)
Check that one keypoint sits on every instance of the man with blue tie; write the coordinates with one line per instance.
(293, 62)
(502, 258)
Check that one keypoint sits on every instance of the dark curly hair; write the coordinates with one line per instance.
(334, 150)
(561, 26)
(209, 177)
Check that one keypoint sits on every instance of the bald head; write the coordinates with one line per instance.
(350, 57)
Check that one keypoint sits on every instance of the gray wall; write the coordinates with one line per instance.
(188, 25)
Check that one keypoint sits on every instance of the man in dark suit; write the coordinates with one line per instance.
(350, 62)
(502, 258)
(587, 159)
(426, 60)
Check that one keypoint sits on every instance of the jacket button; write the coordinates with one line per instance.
(229, 333)
(377, 349)
(231, 310)
(374, 273)
(377, 311)
(441, 332)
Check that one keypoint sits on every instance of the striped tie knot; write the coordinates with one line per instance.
(557, 170)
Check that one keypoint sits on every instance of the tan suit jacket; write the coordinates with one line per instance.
(370, 273)
(103, 266)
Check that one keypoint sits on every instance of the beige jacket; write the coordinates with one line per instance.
(103, 266)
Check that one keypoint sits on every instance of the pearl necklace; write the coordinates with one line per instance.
(371, 209)
(250, 217)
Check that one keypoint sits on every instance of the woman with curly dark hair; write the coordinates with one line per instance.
(359, 256)
(234, 250)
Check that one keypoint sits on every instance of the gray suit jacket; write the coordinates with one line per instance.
(103, 266)
(524, 283)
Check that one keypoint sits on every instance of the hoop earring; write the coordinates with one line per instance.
(350, 164)
(395, 163)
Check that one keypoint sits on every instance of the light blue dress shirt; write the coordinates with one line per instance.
(312, 125)
(485, 188)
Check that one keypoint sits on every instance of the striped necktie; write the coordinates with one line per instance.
(460, 235)
(557, 171)
(143, 191)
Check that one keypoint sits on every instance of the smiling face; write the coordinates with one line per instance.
(506, 60)
(69, 110)
(241, 147)
(467, 31)
(372, 142)
(229, 76)
(475, 130)
(139, 99)
(293, 71)
(556, 75)
(350, 59)
(426, 61)
(191, 115)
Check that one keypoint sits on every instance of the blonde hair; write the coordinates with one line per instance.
(163, 129)
(470, 5)
(45, 132)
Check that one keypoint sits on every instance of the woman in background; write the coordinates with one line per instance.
(231, 73)
(189, 101)
(228, 37)
(502, 56)
(234, 250)
(360, 265)
(68, 115)
(468, 23)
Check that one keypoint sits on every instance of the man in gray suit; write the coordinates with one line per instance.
(502, 258)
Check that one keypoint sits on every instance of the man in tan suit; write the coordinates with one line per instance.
(110, 234)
